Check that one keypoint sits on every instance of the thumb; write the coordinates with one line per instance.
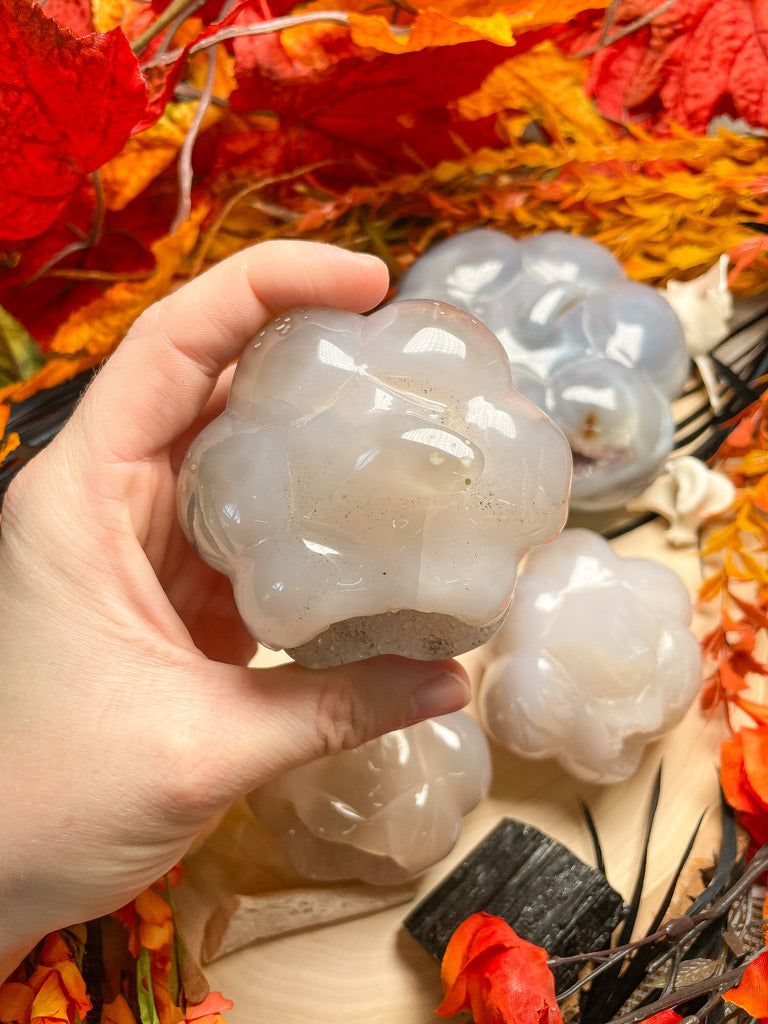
(285, 716)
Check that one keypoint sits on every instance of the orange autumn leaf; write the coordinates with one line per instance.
(755, 709)
(751, 994)
(429, 28)
(547, 87)
(502, 979)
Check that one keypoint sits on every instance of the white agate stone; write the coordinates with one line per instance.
(373, 484)
(594, 661)
(601, 354)
(384, 811)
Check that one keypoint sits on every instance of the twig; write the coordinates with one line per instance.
(633, 26)
(677, 928)
(85, 242)
(682, 995)
(170, 14)
(184, 169)
(259, 29)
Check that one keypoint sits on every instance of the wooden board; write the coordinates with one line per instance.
(368, 968)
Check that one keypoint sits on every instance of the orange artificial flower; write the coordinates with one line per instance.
(59, 989)
(744, 778)
(502, 979)
(149, 920)
(210, 1010)
(751, 994)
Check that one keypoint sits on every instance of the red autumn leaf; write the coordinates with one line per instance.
(67, 105)
(391, 111)
(502, 979)
(72, 14)
(695, 60)
(42, 303)
(751, 994)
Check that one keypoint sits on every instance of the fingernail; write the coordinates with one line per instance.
(363, 257)
(439, 696)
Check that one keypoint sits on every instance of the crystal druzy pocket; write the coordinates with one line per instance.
(373, 483)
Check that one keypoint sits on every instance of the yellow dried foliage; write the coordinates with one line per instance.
(429, 28)
(544, 85)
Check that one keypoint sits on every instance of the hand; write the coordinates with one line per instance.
(127, 717)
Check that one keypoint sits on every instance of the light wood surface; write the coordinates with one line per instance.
(369, 969)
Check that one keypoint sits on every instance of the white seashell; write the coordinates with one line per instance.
(685, 494)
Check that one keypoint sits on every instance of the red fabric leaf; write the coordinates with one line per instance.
(502, 979)
(389, 109)
(698, 59)
(743, 778)
(67, 105)
(72, 14)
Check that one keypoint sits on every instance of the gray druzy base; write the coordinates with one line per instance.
(426, 636)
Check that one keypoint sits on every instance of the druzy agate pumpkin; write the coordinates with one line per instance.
(373, 483)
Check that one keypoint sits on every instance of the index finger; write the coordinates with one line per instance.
(163, 373)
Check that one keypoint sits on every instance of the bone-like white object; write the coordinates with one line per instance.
(601, 354)
(704, 306)
(594, 661)
(686, 494)
(385, 811)
(373, 484)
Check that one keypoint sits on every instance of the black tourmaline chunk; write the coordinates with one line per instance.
(544, 892)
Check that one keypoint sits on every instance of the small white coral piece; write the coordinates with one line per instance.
(373, 484)
(704, 306)
(385, 811)
(686, 494)
(594, 661)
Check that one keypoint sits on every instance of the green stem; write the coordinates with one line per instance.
(173, 9)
